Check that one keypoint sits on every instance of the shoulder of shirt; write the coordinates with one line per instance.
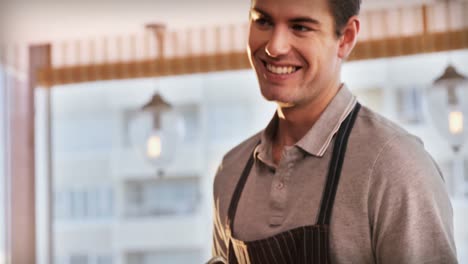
(382, 129)
(232, 164)
(242, 150)
(392, 148)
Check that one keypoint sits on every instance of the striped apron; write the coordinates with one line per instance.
(305, 244)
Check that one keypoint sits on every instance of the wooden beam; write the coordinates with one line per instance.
(411, 45)
(22, 182)
(370, 49)
(140, 69)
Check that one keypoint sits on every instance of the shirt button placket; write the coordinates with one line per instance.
(277, 202)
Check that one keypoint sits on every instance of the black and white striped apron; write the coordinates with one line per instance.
(305, 244)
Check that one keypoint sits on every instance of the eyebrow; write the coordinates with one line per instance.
(302, 19)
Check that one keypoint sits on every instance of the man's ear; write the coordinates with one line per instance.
(349, 37)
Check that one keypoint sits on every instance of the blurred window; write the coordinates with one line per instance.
(79, 259)
(173, 257)
(157, 197)
(84, 203)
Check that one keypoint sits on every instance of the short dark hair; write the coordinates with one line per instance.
(342, 10)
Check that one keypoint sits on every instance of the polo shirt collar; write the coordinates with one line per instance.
(318, 138)
(316, 141)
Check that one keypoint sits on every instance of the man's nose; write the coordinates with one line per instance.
(278, 44)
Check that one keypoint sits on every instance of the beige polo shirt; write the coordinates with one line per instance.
(391, 204)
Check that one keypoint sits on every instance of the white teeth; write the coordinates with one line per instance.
(281, 70)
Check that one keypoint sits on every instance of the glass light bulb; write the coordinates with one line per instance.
(456, 122)
(153, 146)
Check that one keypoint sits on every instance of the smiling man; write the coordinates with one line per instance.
(327, 181)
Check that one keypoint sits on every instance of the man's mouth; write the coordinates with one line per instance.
(281, 70)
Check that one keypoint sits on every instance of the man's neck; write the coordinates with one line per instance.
(294, 122)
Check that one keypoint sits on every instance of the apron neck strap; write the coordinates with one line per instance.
(335, 167)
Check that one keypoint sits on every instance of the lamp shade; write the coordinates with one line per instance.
(156, 131)
(447, 101)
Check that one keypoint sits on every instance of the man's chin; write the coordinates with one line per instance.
(278, 99)
(284, 104)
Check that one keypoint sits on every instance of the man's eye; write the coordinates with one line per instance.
(262, 22)
(301, 28)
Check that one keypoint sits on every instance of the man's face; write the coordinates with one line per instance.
(294, 50)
